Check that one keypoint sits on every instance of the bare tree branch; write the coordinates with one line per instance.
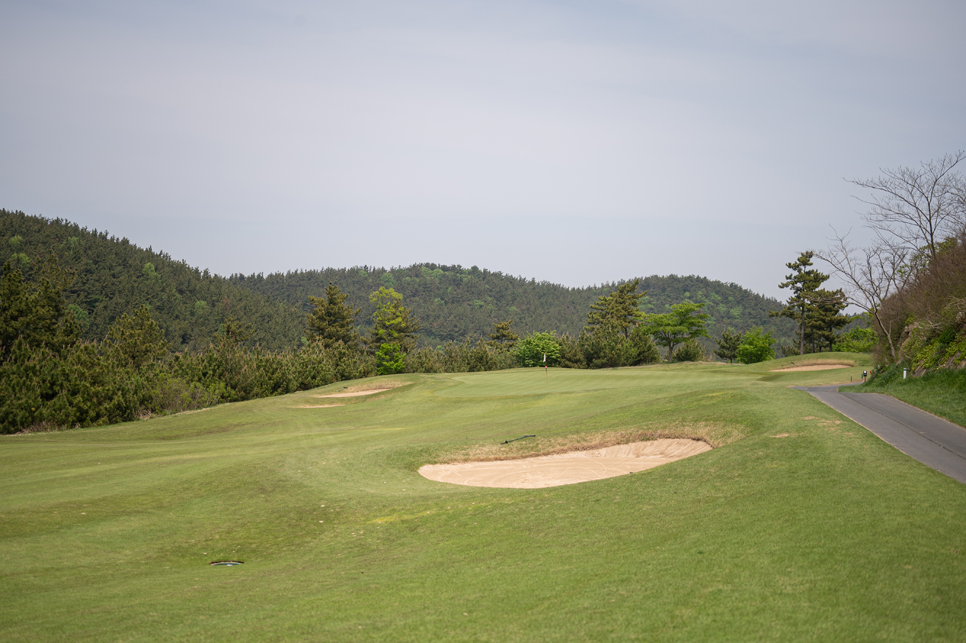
(919, 207)
(871, 275)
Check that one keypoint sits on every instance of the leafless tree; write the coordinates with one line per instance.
(870, 276)
(959, 194)
(918, 207)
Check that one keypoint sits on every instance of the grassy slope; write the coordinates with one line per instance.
(825, 534)
(941, 392)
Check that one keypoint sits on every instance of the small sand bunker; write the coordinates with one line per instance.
(371, 391)
(317, 406)
(565, 468)
(813, 367)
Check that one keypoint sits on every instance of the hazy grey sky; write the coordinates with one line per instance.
(574, 141)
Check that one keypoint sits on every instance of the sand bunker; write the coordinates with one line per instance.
(371, 391)
(566, 468)
(317, 406)
(814, 367)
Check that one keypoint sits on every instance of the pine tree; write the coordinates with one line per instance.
(37, 312)
(826, 317)
(803, 282)
(394, 323)
(137, 340)
(728, 345)
(617, 310)
(331, 320)
(503, 338)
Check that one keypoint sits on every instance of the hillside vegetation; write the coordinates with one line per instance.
(455, 303)
(928, 314)
(115, 277)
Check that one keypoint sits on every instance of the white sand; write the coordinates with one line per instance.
(371, 391)
(566, 468)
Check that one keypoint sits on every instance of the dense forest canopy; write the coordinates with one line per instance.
(114, 277)
(452, 303)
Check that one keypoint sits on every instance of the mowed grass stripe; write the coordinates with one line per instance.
(824, 533)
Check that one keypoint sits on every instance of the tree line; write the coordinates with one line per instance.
(455, 303)
(63, 365)
(51, 377)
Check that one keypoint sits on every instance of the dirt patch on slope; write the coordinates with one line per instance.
(566, 468)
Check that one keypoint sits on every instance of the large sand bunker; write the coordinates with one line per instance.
(813, 367)
(565, 468)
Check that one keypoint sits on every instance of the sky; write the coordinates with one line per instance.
(575, 142)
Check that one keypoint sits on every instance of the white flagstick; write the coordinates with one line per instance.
(545, 371)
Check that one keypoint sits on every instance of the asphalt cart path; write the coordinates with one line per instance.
(935, 442)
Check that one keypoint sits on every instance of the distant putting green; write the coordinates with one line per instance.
(799, 525)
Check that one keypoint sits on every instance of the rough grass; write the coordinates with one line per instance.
(825, 533)
(941, 392)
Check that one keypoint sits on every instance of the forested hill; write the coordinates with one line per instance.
(115, 277)
(453, 302)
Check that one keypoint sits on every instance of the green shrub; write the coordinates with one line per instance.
(857, 340)
(756, 347)
(606, 347)
(571, 352)
(390, 359)
(646, 351)
(690, 351)
(531, 349)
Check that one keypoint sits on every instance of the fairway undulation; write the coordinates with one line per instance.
(798, 525)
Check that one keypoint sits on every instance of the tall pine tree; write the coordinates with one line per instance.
(826, 317)
(503, 338)
(331, 320)
(803, 282)
(617, 310)
(394, 323)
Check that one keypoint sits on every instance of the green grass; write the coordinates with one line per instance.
(826, 533)
(941, 392)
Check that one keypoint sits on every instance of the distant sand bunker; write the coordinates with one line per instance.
(566, 468)
(371, 391)
(814, 367)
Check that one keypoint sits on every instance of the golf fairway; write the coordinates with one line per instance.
(798, 525)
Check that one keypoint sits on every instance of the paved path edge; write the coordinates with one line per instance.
(933, 441)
